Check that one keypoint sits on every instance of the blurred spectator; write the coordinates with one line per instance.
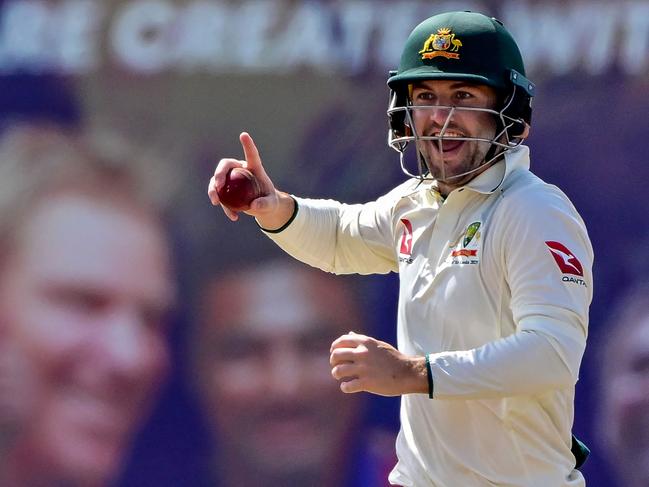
(623, 422)
(261, 355)
(85, 287)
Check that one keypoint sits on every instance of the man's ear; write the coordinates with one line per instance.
(525, 133)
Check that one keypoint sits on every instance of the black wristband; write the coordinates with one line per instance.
(429, 373)
(283, 227)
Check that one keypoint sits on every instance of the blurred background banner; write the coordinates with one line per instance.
(179, 80)
(152, 37)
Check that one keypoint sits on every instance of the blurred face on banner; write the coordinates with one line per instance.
(84, 289)
(626, 400)
(263, 360)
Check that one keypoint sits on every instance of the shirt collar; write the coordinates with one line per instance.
(490, 180)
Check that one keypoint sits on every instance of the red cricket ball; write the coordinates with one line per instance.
(239, 189)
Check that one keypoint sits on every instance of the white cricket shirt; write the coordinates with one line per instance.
(495, 284)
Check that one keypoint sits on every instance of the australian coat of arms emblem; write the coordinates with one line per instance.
(443, 43)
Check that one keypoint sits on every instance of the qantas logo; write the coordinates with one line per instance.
(565, 259)
(405, 249)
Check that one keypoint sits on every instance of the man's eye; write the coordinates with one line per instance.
(463, 95)
(238, 348)
(78, 298)
(640, 365)
(155, 318)
(425, 96)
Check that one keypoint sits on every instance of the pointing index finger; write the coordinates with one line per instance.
(250, 151)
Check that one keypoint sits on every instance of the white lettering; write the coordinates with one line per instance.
(249, 28)
(549, 35)
(308, 38)
(635, 52)
(77, 22)
(395, 24)
(141, 37)
(202, 38)
(560, 38)
(279, 36)
(356, 21)
(23, 36)
(600, 48)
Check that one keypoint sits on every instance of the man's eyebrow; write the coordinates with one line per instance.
(464, 84)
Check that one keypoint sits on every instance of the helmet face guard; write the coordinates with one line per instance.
(469, 47)
(399, 143)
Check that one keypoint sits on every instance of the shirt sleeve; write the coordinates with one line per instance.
(547, 259)
(341, 238)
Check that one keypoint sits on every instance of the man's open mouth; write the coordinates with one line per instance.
(450, 142)
(451, 145)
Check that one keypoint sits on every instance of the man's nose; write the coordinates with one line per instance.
(285, 371)
(439, 115)
(123, 346)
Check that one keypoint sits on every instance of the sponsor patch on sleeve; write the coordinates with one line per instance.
(567, 262)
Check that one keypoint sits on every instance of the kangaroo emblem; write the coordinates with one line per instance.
(427, 44)
(438, 44)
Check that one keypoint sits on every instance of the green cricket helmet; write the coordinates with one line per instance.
(463, 46)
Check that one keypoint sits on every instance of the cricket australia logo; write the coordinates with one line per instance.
(439, 44)
(405, 247)
(465, 250)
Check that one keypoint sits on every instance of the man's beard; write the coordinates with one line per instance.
(455, 172)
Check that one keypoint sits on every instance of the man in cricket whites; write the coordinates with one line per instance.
(494, 266)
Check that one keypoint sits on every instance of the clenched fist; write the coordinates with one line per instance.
(363, 363)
